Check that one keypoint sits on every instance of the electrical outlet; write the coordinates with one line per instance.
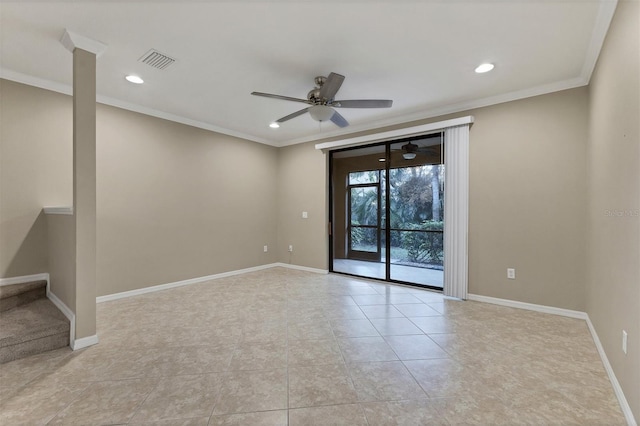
(624, 342)
(511, 273)
(290, 248)
(266, 249)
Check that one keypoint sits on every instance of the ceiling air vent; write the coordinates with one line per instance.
(157, 59)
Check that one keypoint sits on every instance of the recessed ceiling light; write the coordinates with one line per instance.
(134, 79)
(484, 68)
(274, 125)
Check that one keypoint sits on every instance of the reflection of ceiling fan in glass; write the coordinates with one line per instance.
(411, 150)
(322, 101)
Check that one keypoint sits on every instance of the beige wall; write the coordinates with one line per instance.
(61, 243)
(613, 285)
(527, 198)
(176, 202)
(35, 171)
(302, 186)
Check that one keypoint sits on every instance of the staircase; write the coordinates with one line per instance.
(29, 322)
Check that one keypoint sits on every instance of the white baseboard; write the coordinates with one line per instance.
(528, 306)
(24, 279)
(58, 210)
(302, 268)
(190, 281)
(624, 404)
(67, 313)
(85, 342)
(197, 280)
(622, 400)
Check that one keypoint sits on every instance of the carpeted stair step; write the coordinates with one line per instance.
(15, 295)
(31, 328)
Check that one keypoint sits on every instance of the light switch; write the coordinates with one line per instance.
(305, 215)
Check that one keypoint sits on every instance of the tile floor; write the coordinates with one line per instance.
(282, 347)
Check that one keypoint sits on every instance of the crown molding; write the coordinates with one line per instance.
(448, 109)
(598, 35)
(379, 124)
(72, 41)
(106, 100)
(182, 120)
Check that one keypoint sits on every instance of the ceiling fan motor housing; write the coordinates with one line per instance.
(410, 147)
(314, 95)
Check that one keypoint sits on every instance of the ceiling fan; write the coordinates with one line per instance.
(322, 101)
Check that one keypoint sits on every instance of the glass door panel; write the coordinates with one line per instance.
(416, 194)
(364, 222)
(356, 211)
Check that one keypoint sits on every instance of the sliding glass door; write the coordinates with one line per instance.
(408, 247)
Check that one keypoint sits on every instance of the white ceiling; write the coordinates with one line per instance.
(421, 54)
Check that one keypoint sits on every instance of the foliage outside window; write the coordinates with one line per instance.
(416, 207)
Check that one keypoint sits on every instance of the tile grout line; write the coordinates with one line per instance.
(139, 407)
(346, 365)
(69, 404)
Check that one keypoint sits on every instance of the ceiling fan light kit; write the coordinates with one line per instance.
(409, 155)
(321, 112)
(322, 102)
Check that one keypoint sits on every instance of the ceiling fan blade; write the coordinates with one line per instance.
(331, 86)
(363, 103)
(290, 116)
(428, 149)
(284, 98)
(339, 120)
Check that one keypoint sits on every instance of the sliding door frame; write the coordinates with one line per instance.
(387, 208)
(456, 272)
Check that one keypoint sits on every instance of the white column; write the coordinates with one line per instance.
(85, 52)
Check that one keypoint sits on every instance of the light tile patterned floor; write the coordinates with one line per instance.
(282, 347)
